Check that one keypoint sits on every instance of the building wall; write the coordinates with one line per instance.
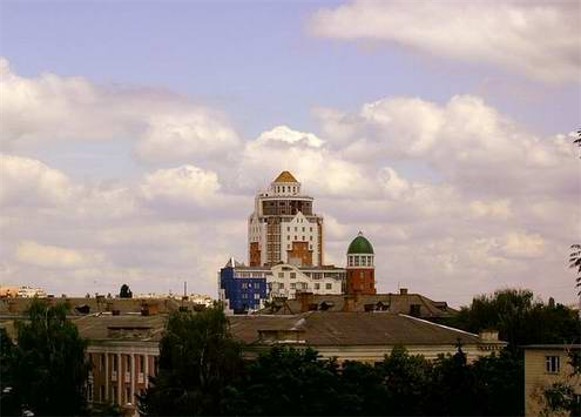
(538, 376)
(286, 280)
(120, 371)
(244, 288)
(284, 229)
(361, 281)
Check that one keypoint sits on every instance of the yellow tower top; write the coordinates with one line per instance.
(285, 176)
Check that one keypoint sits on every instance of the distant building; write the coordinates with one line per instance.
(241, 288)
(360, 267)
(415, 305)
(358, 336)
(288, 280)
(283, 227)
(22, 292)
(544, 366)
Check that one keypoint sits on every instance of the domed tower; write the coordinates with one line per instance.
(360, 267)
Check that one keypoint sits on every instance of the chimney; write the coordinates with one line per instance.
(349, 303)
(488, 336)
(305, 298)
(403, 291)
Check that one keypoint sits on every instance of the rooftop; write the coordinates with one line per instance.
(285, 176)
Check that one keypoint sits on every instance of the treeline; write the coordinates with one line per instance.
(202, 371)
(289, 382)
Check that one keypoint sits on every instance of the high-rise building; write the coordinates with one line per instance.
(283, 227)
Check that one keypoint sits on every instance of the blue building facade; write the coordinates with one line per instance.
(243, 289)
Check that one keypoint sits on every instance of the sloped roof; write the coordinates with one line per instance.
(123, 327)
(285, 176)
(393, 303)
(347, 329)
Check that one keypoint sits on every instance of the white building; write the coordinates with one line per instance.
(283, 227)
(285, 280)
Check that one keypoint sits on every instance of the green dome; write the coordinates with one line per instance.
(360, 245)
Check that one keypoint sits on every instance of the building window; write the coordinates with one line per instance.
(287, 237)
(303, 238)
(281, 274)
(256, 296)
(362, 274)
(102, 393)
(553, 364)
(303, 229)
(296, 238)
(288, 229)
(293, 274)
(293, 286)
(311, 229)
(295, 231)
(142, 364)
(281, 286)
(114, 363)
(102, 363)
(317, 286)
(127, 395)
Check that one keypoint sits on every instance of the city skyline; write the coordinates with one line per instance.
(135, 136)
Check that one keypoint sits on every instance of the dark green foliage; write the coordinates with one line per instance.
(291, 382)
(499, 384)
(362, 390)
(520, 319)
(9, 404)
(575, 260)
(407, 380)
(48, 369)
(125, 292)
(198, 366)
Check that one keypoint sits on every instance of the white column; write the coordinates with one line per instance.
(119, 378)
(107, 381)
(146, 370)
(132, 399)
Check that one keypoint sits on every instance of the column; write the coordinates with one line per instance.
(132, 399)
(119, 379)
(107, 381)
(146, 369)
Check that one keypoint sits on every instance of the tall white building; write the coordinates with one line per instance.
(283, 227)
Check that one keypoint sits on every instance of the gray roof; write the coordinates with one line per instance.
(342, 329)
(394, 303)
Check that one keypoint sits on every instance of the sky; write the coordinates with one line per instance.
(135, 134)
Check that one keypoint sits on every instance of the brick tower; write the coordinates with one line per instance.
(360, 267)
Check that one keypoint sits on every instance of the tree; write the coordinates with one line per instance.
(199, 364)
(291, 382)
(407, 379)
(125, 292)
(575, 263)
(499, 384)
(49, 369)
(519, 318)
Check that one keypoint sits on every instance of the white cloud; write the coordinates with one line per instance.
(306, 156)
(165, 127)
(49, 256)
(28, 182)
(523, 245)
(540, 40)
(182, 185)
(194, 135)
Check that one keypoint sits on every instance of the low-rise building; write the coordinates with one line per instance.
(546, 365)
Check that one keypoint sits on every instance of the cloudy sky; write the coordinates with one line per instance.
(134, 136)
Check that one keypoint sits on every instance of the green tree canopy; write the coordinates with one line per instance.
(199, 362)
(48, 368)
(519, 318)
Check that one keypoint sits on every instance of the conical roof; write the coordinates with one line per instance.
(360, 245)
(285, 176)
